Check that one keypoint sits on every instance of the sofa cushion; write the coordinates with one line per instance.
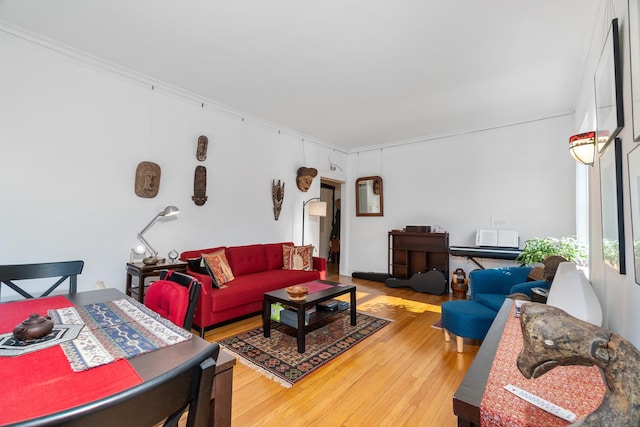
(198, 253)
(218, 268)
(247, 259)
(296, 257)
(251, 287)
(197, 265)
(492, 301)
(274, 255)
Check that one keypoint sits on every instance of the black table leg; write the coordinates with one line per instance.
(266, 317)
(353, 307)
(300, 332)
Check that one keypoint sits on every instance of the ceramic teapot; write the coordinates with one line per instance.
(33, 328)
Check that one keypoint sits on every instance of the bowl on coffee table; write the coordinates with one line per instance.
(297, 292)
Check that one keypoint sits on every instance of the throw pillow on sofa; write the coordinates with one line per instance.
(296, 257)
(197, 265)
(218, 268)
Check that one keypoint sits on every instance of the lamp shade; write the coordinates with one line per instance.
(170, 211)
(571, 291)
(318, 208)
(583, 147)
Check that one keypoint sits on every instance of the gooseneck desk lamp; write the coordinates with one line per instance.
(152, 259)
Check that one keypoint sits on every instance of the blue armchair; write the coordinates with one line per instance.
(490, 287)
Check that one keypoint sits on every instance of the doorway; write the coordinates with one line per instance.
(331, 225)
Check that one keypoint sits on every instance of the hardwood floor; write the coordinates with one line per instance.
(403, 375)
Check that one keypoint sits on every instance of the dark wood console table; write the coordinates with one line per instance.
(142, 272)
(466, 400)
(415, 252)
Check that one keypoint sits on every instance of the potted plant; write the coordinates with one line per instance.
(535, 250)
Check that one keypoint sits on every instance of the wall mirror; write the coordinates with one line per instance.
(369, 196)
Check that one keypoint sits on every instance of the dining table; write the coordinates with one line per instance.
(42, 384)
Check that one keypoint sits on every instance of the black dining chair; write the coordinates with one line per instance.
(163, 399)
(174, 297)
(61, 270)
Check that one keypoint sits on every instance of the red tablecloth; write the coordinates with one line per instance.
(579, 389)
(42, 382)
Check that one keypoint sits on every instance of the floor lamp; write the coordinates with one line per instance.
(316, 208)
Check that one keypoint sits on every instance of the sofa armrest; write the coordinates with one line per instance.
(525, 288)
(203, 308)
(320, 264)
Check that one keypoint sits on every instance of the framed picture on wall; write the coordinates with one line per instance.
(613, 249)
(608, 90)
(634, 190)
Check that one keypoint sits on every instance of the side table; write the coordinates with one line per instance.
(142, 271)
(539, 295)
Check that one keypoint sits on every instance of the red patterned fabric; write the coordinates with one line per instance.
(169, 299)
(47, 374)
(579, 389)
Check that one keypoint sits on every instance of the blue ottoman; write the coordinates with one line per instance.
(466, 319)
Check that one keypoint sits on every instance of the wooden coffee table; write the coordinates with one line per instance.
(312, 299)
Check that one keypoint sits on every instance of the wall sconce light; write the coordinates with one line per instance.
(583, 147)
(316, 208)
(153, 254)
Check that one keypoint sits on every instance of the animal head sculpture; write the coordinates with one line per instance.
(551, 338)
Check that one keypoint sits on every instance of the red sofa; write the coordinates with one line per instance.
(257, 269)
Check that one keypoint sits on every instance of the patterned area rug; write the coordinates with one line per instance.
(277, 357)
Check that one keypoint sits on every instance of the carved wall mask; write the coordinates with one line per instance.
(200, 186)
(201, 151)
(147, 179)
(277, 193)
(305, 178)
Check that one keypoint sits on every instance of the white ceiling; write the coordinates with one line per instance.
(348, 73)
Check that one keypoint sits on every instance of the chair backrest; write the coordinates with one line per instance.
(62, 270)
(174, 297)
(163, 398)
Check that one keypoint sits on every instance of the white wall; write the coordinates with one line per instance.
(522, 173)
(71, 136)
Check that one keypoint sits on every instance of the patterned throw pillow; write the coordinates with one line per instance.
(218, 268)
(296, 257)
